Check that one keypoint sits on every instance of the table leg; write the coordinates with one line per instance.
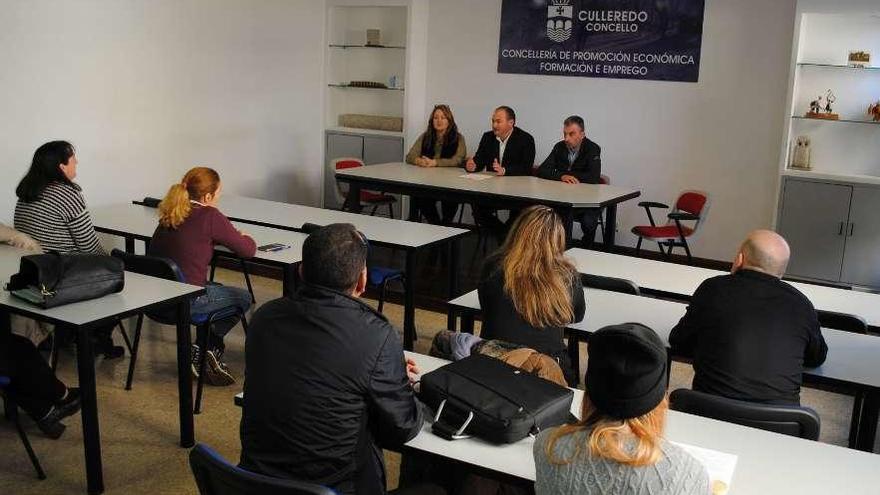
(574, 352)
(567, 215)
(85, 364)
(184, 382)
(610, 226)
(868, 421)
(413, 215)
(467, 322)
(288, 279)
(353, 198)
(409, 303)
(129, 244)
(858, 405)
(453, 281)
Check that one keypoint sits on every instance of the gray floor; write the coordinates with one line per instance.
(139, 428)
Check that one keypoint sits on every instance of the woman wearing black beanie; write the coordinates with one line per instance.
(618, 446)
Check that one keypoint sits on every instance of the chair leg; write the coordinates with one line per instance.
(244, 323)
(687, 251)
(391, 210)
(124, 333)
(203, 348)
(382, 290)
(373, 211)
(12, 414)
(133, 351)
(213, 268)
(638, 246)
(247, 279)
(54, 359)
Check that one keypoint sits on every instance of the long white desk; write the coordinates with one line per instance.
(683, 280)
(136, 222)
(520, 191)
(851, 365)
(140, 293)
(409, 236)
(766, 462)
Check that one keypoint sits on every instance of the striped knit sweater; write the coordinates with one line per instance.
(59, 220)
(676, 473)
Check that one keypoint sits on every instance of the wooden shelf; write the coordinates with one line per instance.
(375, 47)
(844, 121)
(363, 87)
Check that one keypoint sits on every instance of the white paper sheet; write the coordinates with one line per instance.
(477, 176)
(720, 465)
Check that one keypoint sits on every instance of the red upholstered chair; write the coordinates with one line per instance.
(368, 198)
(691, 206)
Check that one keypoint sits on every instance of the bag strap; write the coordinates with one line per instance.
(447, 431)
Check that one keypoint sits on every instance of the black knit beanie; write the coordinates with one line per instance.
(626, 371)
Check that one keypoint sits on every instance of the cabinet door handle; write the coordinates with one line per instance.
(851, 227)
(840, 228)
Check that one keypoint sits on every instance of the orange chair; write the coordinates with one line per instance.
(368, 198)
(691, 206)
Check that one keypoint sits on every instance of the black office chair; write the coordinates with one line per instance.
(612, 284)
(11, 411)
(216, 476)
(377, 276)
(796, 421)
(842, 321)
(164, 268)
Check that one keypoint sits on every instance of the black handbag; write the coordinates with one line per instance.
(54, 279)
(490, 399)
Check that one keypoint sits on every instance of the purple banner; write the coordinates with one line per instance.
(625, 39)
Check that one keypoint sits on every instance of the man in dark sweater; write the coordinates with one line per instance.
(576, 160)
(506, 150)
(750, 333)
(326, 385)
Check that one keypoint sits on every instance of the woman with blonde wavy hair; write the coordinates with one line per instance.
(618, 445)
(190, 225)
(529, 291)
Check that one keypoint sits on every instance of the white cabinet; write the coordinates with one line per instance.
(833, 230)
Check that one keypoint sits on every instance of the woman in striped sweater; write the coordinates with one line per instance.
(52, 210)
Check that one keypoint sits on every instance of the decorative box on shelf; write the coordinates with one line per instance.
(822, 116)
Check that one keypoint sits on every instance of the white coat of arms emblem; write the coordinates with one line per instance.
(559, 17)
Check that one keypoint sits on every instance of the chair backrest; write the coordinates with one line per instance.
(153, 266)
(610, 284)
(796, 421)
(842, 321)
(693, 202)
(604, 179)
(216, 476)
(341, 164)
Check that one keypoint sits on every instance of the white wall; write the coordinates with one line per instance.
(147, 89)
(721, 135)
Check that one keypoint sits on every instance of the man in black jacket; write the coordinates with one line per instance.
(326, 385)
(750, 333)
(506, 150)
(576, 160)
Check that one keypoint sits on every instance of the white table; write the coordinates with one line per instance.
(140, 293)
(409, 236)
(137, 222)
(682, 280)
(504, 192)
(767, 462)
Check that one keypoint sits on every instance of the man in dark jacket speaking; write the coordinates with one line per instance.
(576, 160)
(326, 385)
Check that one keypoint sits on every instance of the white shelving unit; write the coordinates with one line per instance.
(829, 214)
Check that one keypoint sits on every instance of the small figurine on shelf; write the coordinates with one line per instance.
(874, 111)
(815, 106)
(800, 156)
(817, 111)
(829, 99)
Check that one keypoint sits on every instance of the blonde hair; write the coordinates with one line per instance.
(610, 437)
(537, 275)
(195, 185)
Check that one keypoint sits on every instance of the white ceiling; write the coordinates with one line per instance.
(871, 7)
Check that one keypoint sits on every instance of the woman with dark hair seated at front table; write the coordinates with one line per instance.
(33, 384)
(440, 145)
(51, 209)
